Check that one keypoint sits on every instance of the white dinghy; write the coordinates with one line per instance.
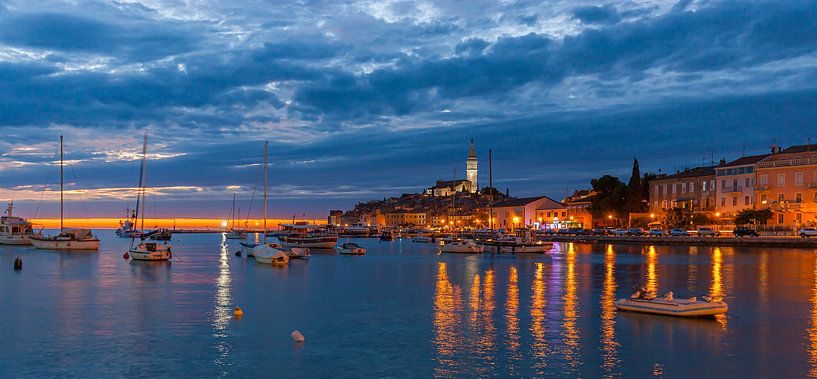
(670, 306)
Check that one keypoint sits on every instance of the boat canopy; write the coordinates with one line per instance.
(304, 226)
(78, 233)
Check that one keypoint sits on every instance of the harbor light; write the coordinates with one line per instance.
(652, 215)
(223, 223)
(717, 214)
(609, 217)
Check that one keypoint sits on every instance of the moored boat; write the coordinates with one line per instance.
(524, 241)
(150, 251)
(15, 230)
(127, 228)
(305, 235)
(264, 253)
(147, 251)
(670, 306)
(351, 248)
(298, 253)
(422, 239)
(387, 235)
(462, 246)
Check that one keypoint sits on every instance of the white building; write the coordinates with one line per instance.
(471, 168)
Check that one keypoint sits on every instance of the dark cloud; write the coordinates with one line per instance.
(605, 14)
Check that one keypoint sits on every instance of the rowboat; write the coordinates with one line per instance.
(674, 307)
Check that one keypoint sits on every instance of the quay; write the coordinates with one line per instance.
(780, 242)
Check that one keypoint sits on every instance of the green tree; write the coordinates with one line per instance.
(752, 216)
(676, 218)
(635, 191)
(611, 198)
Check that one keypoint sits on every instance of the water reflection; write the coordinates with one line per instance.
(447, 305)
(223, 310)
(539, 348)
(512, 320)
(652, 272)
(812, 332)
(570, 332)
(716, 290)
(486, 329)
(608, 313)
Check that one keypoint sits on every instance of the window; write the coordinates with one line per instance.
(734, 201)
(798, 197)
(763, 199)
(798, 178)
(746, 200)
(656, 189)
(703, 185)
(683, 187)
(712, 185)
(780, 218)
(747, 183)
(798, 217)
(781, 179)
(664, 204)
(734, 184)
(780, 198)
(764, 180)
(691, 186)
(564, 214)
(723, 201)
(723, 184)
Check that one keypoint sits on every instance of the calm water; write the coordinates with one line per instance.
(403, 310)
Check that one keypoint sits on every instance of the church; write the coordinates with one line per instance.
(467, 185)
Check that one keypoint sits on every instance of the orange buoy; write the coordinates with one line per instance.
(126, 255)
(297, 336)
(238, 313)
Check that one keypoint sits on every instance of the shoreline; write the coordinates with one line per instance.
(780, 242)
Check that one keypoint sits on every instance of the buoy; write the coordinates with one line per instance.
(238, 253)
(126, 255)
(18, 263)
(297, 336)
(238, 313)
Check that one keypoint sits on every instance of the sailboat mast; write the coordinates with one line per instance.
(266, 143)
(491, 191)
(232, 220)
(61, 207)
(144, 179)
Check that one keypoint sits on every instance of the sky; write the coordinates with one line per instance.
(369, 99)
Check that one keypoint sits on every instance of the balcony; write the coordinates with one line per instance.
(786, 205)
(762, 187)
(812, 185)
(732, 189)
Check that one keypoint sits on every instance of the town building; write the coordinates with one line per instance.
(514, 213)
(551, 216)
(405, 219)
(692, 189)
(787, 185)
(735, 186)
(467, 185)
(335, 217)
(578, 207)
(471, 168)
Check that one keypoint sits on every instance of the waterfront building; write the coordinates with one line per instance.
(787, 185)
(578, 207)
(467, 185)
(335, 216)
(521, 212)
(692, 189)
(551, 215)
(405, 218)
(735, 186)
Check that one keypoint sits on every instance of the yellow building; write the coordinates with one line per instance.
(787, 185)
(405, 219)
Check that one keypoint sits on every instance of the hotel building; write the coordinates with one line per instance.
(692, 189)
(787, 185)
(735, 185)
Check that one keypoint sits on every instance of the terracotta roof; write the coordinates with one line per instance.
(689, 173)
(752, 159)
(800, 148)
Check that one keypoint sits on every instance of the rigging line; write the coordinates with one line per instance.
(45, 185)
(252, 198)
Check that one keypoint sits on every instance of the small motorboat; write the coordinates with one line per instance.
(387, 236)
(422, 239)
(264, 253)
(464, 246)
(298, 253)
(150, 251)
(351, 248)
(670, 306)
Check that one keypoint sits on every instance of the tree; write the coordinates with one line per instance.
(635, 191)
(676, 218)
(645, 185)
(491, 190)
(610, 199)
(752, 216)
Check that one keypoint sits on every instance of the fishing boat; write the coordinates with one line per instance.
(147, 251)
(670, 306)
(356, 230)
(264, 252)
(462, 246)
(15, 230)
(524, 241)
(351, 248)
(305, 235)
(66, 239)
(127, 228)
(232, 233)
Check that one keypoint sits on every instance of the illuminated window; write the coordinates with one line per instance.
(798, 197)
(763, 199)
(746, 200)
(781, 198)
(780, 218)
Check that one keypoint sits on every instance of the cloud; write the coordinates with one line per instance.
(605, 14)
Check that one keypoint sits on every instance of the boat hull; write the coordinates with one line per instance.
(141, 255)
(502, 248)
(15, 239)
(61, 244)
(677, 308)
(315, 243)
(462, 249)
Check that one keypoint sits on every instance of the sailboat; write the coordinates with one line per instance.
(67, 239)
(146, 251)
(127, 228)
(232, 233)
(267, 252)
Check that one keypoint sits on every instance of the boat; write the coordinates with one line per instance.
(356, 230)
(462, 246)
(387, 235)
(305, 235)
(232, 233)
(66, 239)
(351, 248)
(422, 239)
(147, 251)
(670, 306)
(15, 230)
(264, 252)
(298, 253)
(127, 228)
(524, 241)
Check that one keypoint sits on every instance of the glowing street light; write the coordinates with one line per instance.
(223, 223)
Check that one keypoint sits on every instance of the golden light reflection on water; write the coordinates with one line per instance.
(512, 320)
(652, 271)
(570, 332)
(223, 308)
(608, 315)
(485, 344)
(539, 348)
(716, 290)
(447, 335)
(474, 301)
(812, 331)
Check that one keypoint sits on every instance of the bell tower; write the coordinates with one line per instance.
(471, 168)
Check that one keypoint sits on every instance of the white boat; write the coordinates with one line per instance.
(463, 246)
(127, 228)
(232, 233)
(670, 306)
(359, 230)
(305, 235)
(298, 252)
(264, 253)
(147, 251)
(150, 251)
(524, 241)
(351, 248)
(15, 230)
(422, 239)
(67, 239)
